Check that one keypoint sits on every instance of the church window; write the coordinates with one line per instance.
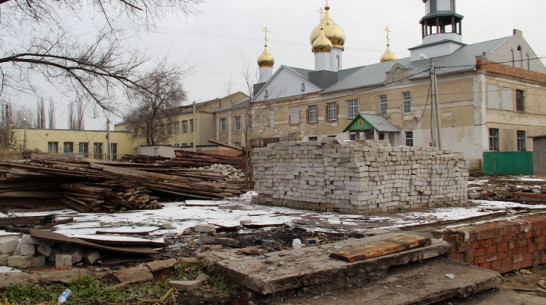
(493, 139)
(223, 125)
(383, 105)
(312, 114)
(353, 108)
(520, 101)
(409, 138)
(406, 102)
(331, 111)
(521, 140)
(237, 123)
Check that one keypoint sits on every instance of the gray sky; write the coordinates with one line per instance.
(227, 33)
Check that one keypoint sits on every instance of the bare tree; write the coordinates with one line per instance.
(40, 114)
(91, 68)
(51, 114)
(71, 117)
(157, 94)
(80, 115)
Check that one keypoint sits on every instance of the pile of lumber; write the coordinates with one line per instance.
(93, 185)
(199, 159)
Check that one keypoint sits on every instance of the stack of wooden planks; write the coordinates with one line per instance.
(89, 185)
(198, 159)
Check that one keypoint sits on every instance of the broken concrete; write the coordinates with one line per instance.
(429, 282)
(308, 266)
(136, 274)
(186, 285)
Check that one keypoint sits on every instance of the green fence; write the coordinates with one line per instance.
(508, 163)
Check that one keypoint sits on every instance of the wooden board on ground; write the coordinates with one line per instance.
(56, 237)
(388, 246)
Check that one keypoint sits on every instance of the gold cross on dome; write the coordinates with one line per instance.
(388, 31)
(321, 12)
(266, 30)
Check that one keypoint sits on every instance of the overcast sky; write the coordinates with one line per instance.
(227, 33)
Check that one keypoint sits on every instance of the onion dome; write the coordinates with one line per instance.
(266, 59)
(332, 31)
(388, 55)
(322, 44)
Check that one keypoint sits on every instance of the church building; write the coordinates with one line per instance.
(468, 98)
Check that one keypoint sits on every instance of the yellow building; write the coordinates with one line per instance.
(83, 143)
(487, 96)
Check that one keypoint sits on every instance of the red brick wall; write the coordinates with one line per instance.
(502, 246)
(490, 66)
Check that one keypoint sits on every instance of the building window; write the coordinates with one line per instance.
(162, 129)
(313, 138)
(249, 120)
(52, 147)
(407, 102)
(331, 111)
(353, 108)
(83, 149)
(520, 101)
(170, 128)
(177, 127)
(271, 119)
(223, 125)
(191, 125)
(493, 139)
(238, 144)
(237, 123)
(409, 138)
(312, 114)
(113, 151)
(68, 147)
(97, 150)
(184, 126)
(521, 140)
(383, 105)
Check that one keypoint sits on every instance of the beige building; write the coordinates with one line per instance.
(82, 143)
(490, 95)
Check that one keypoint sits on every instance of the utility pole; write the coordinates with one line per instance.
(434, 89)
(25, 135)
(432, 94)
(109, 148)
(194, 131)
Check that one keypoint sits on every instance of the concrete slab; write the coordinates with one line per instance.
(309, 266)
(429, 282)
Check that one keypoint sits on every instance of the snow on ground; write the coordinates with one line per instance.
(176, 217)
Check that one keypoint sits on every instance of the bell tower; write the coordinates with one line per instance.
(441, 29)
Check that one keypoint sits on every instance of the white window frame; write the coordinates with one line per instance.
(332, 114)
(353, 108)
(223, 124)
(313, 113)
(237, 123)
(406, 102)
(383, 106)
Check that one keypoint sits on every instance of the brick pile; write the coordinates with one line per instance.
(358, 178)
(28, 252)
(502, 246)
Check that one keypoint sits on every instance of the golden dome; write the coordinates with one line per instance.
(266, 59)
(322, 44)
(388, 56)
(332, 31)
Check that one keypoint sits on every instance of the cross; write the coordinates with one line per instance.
(388, 31)
(265, 30)
(321, 12)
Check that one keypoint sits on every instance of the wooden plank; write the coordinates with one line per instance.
(27, 220)
(384, 247)
(56, 237)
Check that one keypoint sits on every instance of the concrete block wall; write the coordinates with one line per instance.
(354, 177)
(502, 246)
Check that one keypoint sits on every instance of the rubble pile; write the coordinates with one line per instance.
(94, 185)
(353, 177)
(507, 189)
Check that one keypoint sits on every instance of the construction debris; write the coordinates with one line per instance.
(88, 185)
